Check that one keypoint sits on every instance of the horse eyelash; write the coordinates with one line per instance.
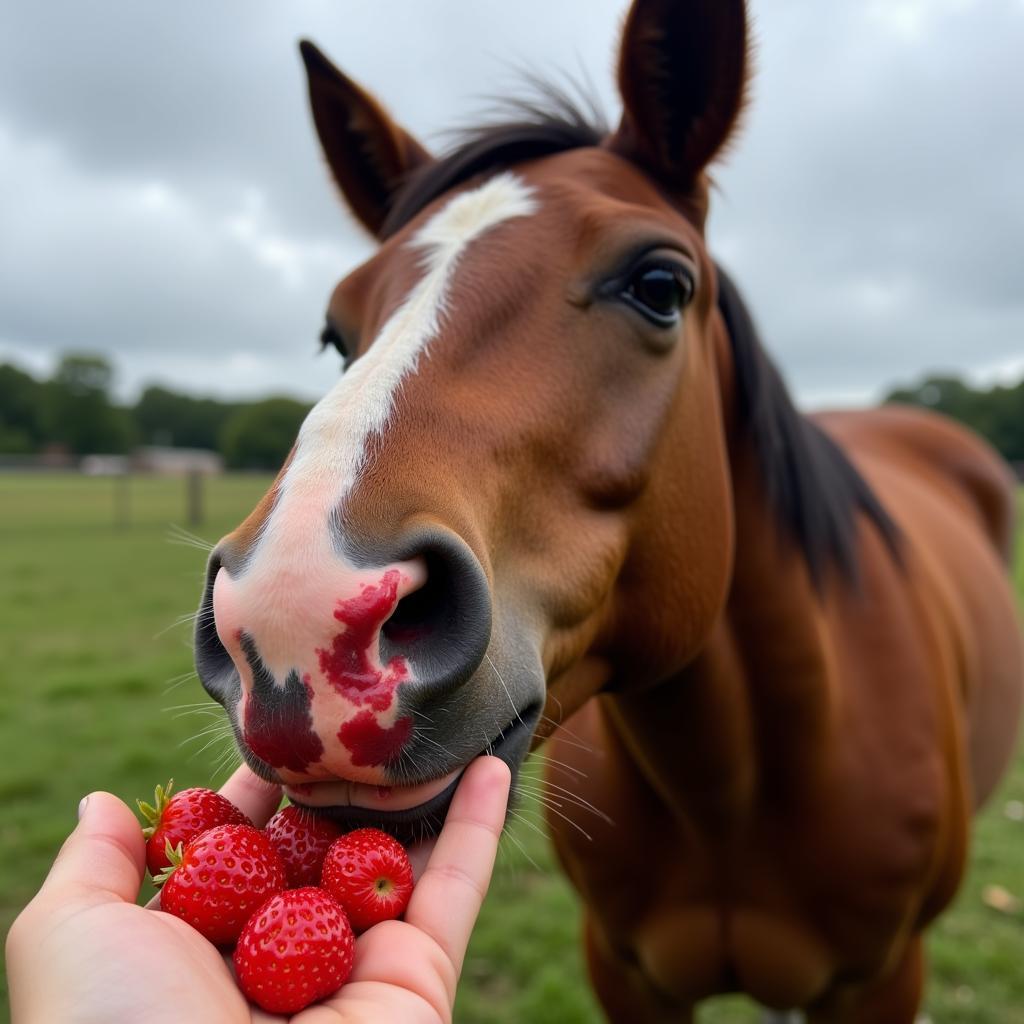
(331, 337)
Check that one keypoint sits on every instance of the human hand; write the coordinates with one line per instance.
(83, 952)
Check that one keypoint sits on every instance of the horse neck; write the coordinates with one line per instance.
(748, 719)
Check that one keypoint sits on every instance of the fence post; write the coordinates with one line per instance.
(122, 500)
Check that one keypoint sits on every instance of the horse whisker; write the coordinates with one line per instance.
(179, 535)
(564, 730)
(508, 834)
(505, 688)
(181, 620)
(228, 761)
(219, 728)
(556, 806)
(575, 798)
(579, 746)
(528, 823)
(209, 743)
(582, 831)
(555, 763)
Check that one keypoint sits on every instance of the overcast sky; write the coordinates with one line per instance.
(162, 199)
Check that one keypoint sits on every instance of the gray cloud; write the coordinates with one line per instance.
(873, 210)
(162, 198)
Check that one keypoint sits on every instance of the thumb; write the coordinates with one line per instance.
(106, 852)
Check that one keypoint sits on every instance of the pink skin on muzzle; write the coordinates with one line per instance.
(320, 704)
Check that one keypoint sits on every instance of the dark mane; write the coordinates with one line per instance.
(553, 122)
(814, 489)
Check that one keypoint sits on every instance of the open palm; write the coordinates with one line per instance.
(83, 951)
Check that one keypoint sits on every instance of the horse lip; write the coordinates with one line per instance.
(413, 823)
(343, 793)
(407, 826)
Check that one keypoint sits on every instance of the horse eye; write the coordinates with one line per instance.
(330, 337)
(660, 291)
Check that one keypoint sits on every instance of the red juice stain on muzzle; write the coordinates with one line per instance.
(347, 666)
(371, 744)
(279, 722)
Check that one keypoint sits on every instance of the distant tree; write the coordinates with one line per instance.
(1006, 421)
(166, 417)
(77, 408)
(21, 414)
(996, 414)
(260, 435)
(14, 441)
(84, 375)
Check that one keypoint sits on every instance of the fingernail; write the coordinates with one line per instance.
(81, 806)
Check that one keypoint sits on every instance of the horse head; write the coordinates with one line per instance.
(517, 492)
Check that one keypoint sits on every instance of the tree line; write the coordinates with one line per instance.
(75, 410)
(996, 413)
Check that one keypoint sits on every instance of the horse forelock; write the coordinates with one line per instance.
(553, 122)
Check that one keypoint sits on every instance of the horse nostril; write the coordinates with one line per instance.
(443, 627)
(421, 612)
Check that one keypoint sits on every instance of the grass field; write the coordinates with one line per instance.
(93, 667)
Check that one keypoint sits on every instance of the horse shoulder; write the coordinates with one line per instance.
(953, 498)
(933, 448)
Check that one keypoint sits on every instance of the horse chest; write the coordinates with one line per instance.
(774, 902)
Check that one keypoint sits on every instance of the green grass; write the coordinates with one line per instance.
(90, 661)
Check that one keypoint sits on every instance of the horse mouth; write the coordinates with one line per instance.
(409, 813)
(408, 824)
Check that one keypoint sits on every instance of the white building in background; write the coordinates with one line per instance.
(104, 465)
(156, 461)
(175, 461)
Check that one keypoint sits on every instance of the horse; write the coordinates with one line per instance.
(560, 492)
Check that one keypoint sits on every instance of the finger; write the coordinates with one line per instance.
(254, 797)
(106, 852)
(447, 899)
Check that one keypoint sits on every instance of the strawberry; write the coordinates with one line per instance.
(174, 820)
(220, 880)
(369, 874)
(297, 948)
(302, 839)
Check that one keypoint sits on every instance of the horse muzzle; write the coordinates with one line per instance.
(348, 676)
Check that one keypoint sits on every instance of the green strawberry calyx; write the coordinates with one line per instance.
(174, 855)
(153, 812)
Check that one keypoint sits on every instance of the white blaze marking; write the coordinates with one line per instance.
(294, 577)
(332, 442)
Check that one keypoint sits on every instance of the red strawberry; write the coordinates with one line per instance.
(369, 874)
(297, 948)
(302, 839)
(174, 820)
(222, 878)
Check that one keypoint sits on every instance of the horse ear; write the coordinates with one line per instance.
(682, 77)
(368, 153)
